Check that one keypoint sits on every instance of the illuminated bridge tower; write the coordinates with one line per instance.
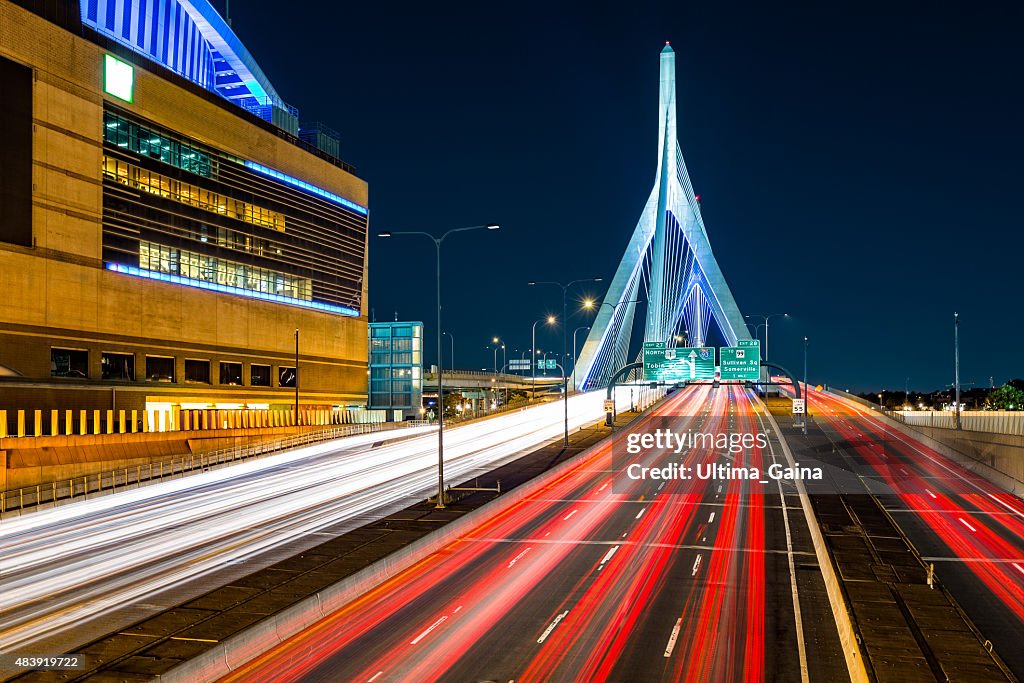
(668, 263)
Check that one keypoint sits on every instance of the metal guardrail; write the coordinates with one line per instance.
(111, 481)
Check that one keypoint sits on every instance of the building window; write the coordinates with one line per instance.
(164, 259)
(286, 376)
(187, 193)
(160, 368)
(118, 366)
(231, 373)
(259, 375)
(148, 143)
(69, 363)
(197, 371)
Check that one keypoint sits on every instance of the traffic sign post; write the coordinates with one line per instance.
(683, 364)
(741, 362)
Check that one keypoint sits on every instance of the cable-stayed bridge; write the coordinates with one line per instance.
(668, 266)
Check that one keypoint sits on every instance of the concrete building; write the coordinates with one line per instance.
(165, 223)
(396, 369)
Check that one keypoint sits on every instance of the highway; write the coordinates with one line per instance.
(971, 530)
(597, 576)
(62, 568)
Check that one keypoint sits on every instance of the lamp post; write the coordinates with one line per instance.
(766, 318)
(496, 343)
(440, 363)
(615, 310)
(585, 327)
(956, 368)
(807, 394)
(565, 333)
(550, 320)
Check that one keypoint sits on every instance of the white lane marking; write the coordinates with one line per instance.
(696, 565)
(931, 494)
(964, 522)
(375, 677)
(996, 499)
(711, 518)
(551, 627)
(603, 487)
(429, 630)
(548, 533)
(662, 486)
(609, 554)
(672, 638)
(517, 558)
(566, 518)
(623, 535)
(1019, 568)
(456, 610)
(640, 514)
(801, 646)
(719, 488)
(904, 471)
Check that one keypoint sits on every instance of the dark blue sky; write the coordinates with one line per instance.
(860, 165)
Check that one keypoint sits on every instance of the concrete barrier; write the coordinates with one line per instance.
(997, 458)
(840, 611)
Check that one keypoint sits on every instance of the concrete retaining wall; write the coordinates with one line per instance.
(999, 458)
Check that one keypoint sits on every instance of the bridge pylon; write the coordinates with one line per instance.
(668, 259)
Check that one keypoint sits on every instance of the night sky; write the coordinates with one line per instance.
(860, 167)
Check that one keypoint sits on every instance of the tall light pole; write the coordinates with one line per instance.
(585, 327)
(807, 393)
(440, 356)
(615, 334)
(766, 318)
(956, 368)
(565, 334)
(496, 343)
(550, 320)
(296, 377)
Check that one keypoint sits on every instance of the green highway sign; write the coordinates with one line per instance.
(741, 362)
(662, 364)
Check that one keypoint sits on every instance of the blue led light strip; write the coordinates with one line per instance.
(214, 287)
(303, 185)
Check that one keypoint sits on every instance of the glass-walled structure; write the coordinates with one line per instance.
(396, 367)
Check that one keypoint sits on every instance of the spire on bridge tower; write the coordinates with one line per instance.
(668, 258)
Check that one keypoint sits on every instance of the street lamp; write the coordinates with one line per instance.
(766, 318)
(497, 342)
(440, 364)
(550, 320)
(585, 327)
(615, 332)
(565, 332)
(807, 393)
(956, 366)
